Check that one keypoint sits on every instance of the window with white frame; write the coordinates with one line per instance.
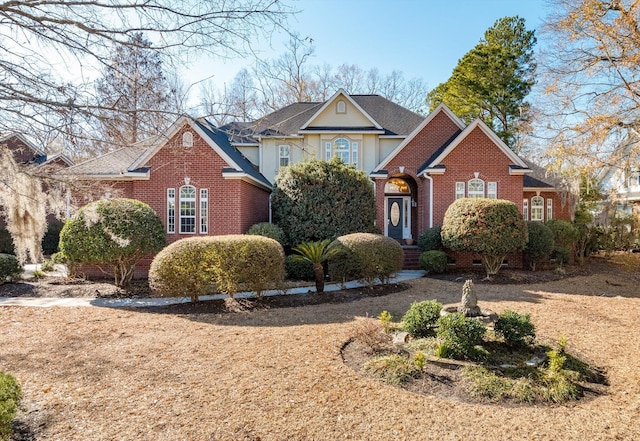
(549, 209)
(634, 179)
(171, 210)
(204, 210)
(284, 152)
(525, 209)
(537, 208)
(475, 188)
(341, 107)
(188, 209)
(187, 139)
(492, 190)
(344, 149)
(459, 190)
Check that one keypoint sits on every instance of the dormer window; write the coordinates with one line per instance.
(341, 107)
(187, 139)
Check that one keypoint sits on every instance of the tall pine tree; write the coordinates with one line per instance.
(134, 94)
(493, 79)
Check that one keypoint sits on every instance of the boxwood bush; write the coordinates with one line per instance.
(115, 232)
(10, 268)
(202, 265)
(430, 239)
(516, 329)
(365, 256)
(434, 262)
(459, 335)
(10, 396)
(296, 269)
(266, 229)
(492, 228)
(540, 244)
(421, 318)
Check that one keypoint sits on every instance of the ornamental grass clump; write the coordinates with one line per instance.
(365, 256)
(202, 265)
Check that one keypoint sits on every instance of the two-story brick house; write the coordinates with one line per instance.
(206, 180)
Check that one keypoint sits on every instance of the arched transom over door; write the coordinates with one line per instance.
(397, 208)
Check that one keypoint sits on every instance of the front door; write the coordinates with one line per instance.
(395, 215)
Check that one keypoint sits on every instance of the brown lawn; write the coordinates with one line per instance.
(276, 374)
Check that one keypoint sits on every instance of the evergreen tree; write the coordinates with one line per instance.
(493, 79)
(134, 93)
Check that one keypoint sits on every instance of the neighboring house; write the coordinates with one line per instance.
(209, 181)
(621, 182)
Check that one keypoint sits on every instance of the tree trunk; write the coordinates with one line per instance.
(318, 271)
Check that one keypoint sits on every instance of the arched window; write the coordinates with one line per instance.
(341, 107)
(341, 147)
(187, 139)
(396, 185)
(475, 188)
(188, 209)
(537, 208)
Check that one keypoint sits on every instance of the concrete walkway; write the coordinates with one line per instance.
(161, 301)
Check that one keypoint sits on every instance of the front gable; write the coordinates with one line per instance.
(340, 112)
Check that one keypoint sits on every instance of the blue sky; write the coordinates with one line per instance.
(421, 38)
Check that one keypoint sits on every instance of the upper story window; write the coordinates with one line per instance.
(525, 209)
(187, 139)
(188, 209)
(285, 155)
(476, 188)
(634, 179)
(537, 208)
(341, 107)
(344, 149)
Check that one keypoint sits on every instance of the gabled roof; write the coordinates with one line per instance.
(388, 118)
(131, 162)
(478, 123)
(36, 150)
(540, 177)
(442, 108)
(341, 93)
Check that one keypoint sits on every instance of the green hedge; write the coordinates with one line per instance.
(365, 256)
(298, 269)
(10, 268)
(203, 265)
(540, 244)
(266, 229)
(430, 239)
(434, 262)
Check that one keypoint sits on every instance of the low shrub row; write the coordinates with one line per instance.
(10, 396)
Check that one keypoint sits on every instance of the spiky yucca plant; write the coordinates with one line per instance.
(316, 253)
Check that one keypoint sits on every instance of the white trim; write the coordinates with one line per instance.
(478, 123)
(203, 214)
(441, 108)
(169, 200)
(430, 179)
(340, 130)
(22, 138)
(245, 177)
(331, 100)
(539, 189)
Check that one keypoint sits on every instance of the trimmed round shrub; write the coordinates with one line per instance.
(564, 233)
(365, 256)
(297, 269)
(540, 244)
(114, 232)
(317, 200)
(10, 396)
(421, 318)
(10, 268)
(267, 230)
(561, 255)
(516, 329)
(434, 262)
(202, 265)
(492, 228)
(459, 335)
(430, 239)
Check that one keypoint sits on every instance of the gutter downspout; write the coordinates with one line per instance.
(430, 179)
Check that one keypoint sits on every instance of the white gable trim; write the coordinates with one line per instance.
(327, 103)
(21, 137)
(175, 127)
(492, 136)
(441, 108)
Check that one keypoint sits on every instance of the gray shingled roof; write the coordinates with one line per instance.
(395, 119)
(114, 163)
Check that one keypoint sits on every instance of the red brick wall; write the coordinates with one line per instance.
(559, 211)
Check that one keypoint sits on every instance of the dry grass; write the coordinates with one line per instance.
(276, 374)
